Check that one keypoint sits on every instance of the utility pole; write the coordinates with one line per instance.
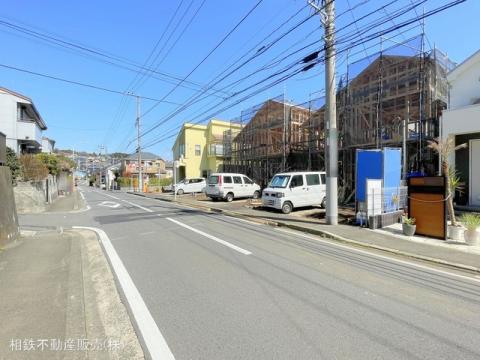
(139, 149)
(327, 17)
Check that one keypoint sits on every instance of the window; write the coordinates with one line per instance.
(323, 177)
(279, 181)
(246, 180)
(216, 149)
(227, 179)
(213, 179)
(297, 180)
(312, 179)
(205, 173)
(237, 180)
(198, 150)
(181, 150)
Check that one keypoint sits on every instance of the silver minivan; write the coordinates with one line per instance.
(287, 191)
(228, 186)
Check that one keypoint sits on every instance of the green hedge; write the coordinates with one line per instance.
(123, 181)
(159, 182)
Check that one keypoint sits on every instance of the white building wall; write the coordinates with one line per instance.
(8, 119)
(465, 84)
(464, 120)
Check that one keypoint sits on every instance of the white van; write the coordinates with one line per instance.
(287, 191)
(194, 185)
(228, 186)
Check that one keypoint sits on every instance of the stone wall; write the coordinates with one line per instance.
(8, 212)
(30, 196)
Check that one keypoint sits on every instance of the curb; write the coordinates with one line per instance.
(328, 235)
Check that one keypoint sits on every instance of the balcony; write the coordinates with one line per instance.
(29, 130)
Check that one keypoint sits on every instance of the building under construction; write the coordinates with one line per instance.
(390, 99)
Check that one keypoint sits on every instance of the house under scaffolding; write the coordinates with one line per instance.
(374, 99)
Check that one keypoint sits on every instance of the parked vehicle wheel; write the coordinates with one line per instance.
(256, 194)
(323, 205)
(180, 192)
(229, 197)
(287, 207)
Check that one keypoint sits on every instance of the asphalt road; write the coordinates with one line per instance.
(222, 288)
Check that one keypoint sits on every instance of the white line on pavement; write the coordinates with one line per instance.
(392, 259)
(102, 193)
(155, 343)
(82, 195)
(243, 220)
(139, 206)
(223, 242)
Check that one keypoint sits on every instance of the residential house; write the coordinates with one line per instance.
(200, 148)
(461, 123)
(168, 169)
(47, 145)
(21, 122)
(153, 166)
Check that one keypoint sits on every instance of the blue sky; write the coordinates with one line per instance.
(85, 118)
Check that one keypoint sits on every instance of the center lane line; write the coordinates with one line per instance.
(214, 238)
(139, 206)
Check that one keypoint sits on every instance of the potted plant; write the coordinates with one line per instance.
(408, 226)
(471, 222)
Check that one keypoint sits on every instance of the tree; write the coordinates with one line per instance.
(13, 164)
(445, 148)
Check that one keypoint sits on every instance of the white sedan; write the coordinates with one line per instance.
(194, 185)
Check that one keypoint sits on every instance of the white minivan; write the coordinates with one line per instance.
(194, 185)
(287, 191)
(228, 186)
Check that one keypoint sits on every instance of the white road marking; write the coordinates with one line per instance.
(155, 343)
(110, 204)
(214, 238)
(167, 214)
(392, 259)
(139, 206)
(82, 195)
(243, 220)
(113, 197)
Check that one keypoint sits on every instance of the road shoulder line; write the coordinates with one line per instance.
(152, 340)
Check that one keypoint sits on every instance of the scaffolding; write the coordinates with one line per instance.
(379, 95)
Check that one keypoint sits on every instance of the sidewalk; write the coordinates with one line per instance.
(433, 250)
(59, 299)
(70, 202)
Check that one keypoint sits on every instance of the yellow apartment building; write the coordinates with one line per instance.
(200, 148)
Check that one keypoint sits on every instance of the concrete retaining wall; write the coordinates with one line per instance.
(8, 212)
(30, 196)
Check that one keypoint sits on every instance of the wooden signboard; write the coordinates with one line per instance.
(426, 203)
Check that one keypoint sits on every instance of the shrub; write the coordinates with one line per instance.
(471, 221)
(123, 181)
(32, 168)
(13, 164)
(160, 182)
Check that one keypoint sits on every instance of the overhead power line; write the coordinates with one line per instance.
(101, 55)
(344, 49)
(73, 82)
(208, 55)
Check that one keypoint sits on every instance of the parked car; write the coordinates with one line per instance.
(228, 186)
(287, 191)
(194, 185)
